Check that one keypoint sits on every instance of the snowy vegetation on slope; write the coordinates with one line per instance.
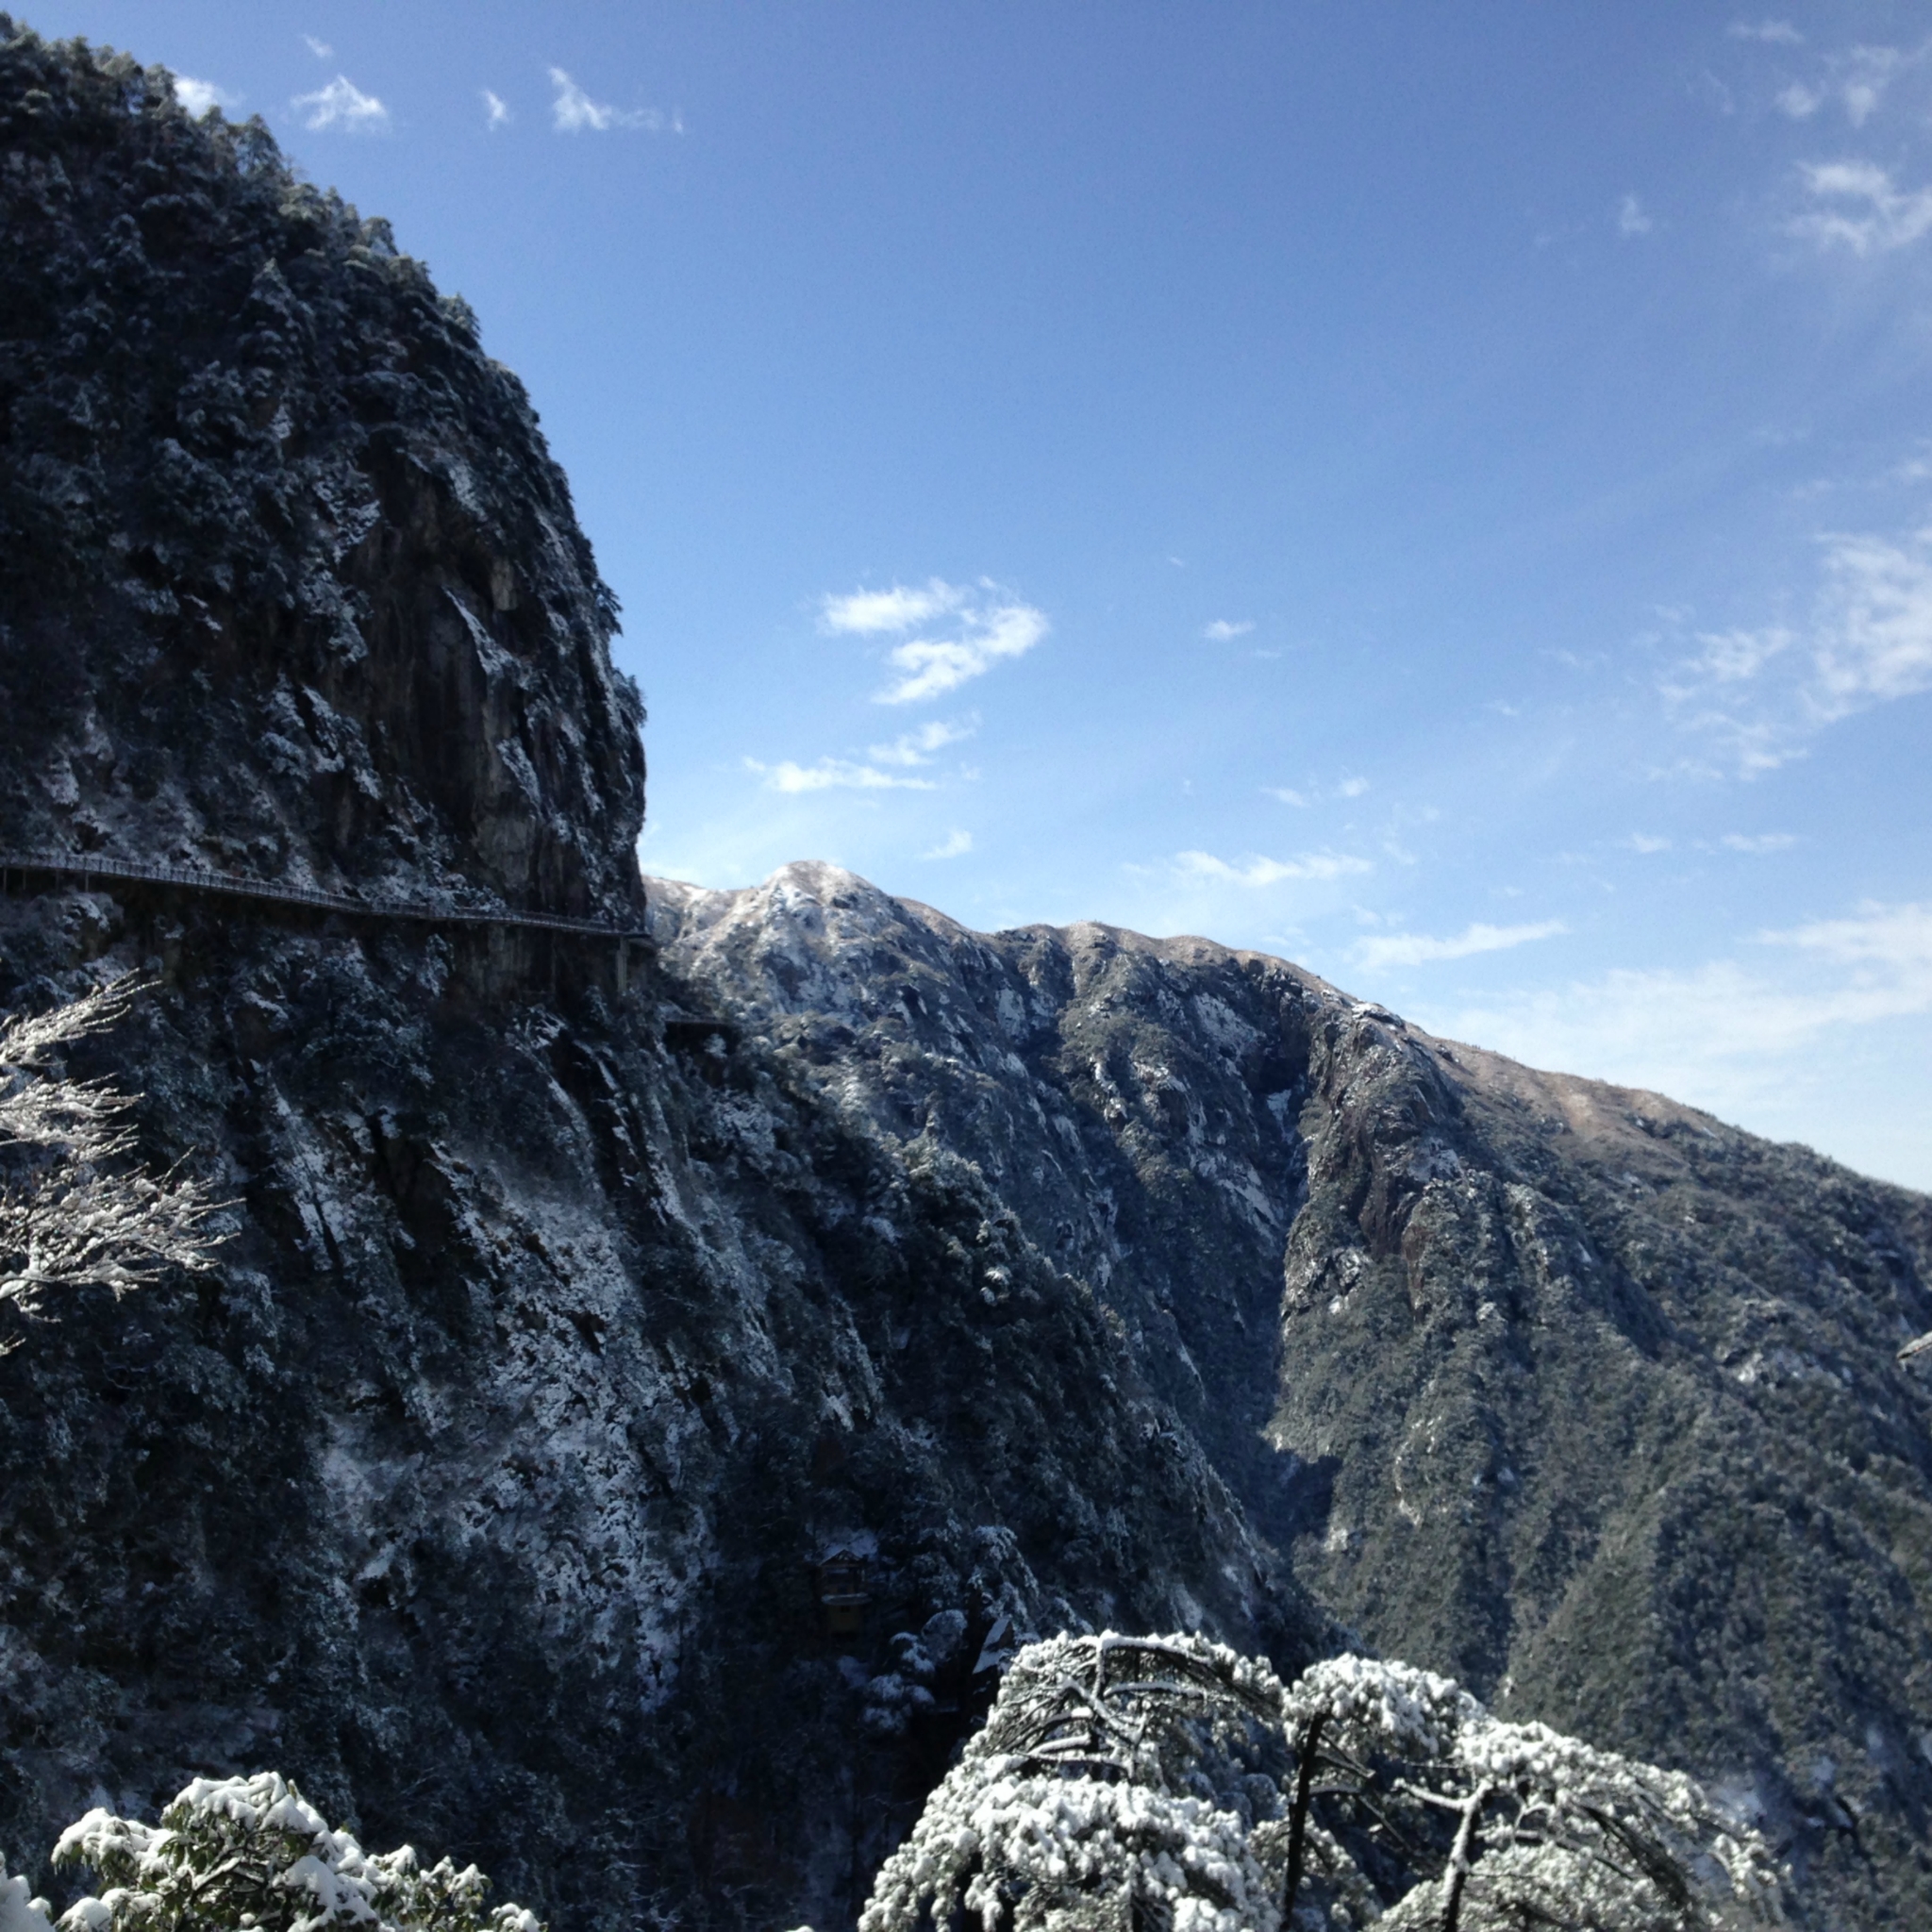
(252, 1852)
(1169, 1782)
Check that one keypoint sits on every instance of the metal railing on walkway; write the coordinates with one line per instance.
(86, 867)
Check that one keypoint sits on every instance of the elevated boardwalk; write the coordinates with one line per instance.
(88, 868)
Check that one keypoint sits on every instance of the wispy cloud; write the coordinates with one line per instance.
(1314, 794)
(1730, 656)
(1779, 33)
(835, 775)
(495, 109)
(1222, 628)
(198, 96)
(1715, 693)
(1668, 1029)
(1897, 938)
(917, 747)
(320, 49)
(1857, 206)
(341, 105)
(986, 625)
(575, 113)
(955, 846)
(1855, 81)
(1646, 843)
(1874, 639)
(1418, 949)
(1256, 871)
(1757, 842)
(1631, 219)
(871, 612)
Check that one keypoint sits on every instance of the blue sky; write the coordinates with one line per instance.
(1442, 494)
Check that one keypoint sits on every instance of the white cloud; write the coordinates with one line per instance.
(1649, 1026)
(1856, 81)
(1713, 693)
(575, 112)
(1349, 788)
(1735, 657)
(1757, 842)
(1874, 640)
(835, 775)
(1779, 33)
(343, 103)
(495, 109)
(198, 96)
(1631, 219)
(1762, 693)
(1895, 938)
(1416, 949)
(1866, 72)
(1860, 208)
(1221, 630)
(917, 747)
(988, 625)
(871, 612)
(1255, 870)
(954, 847)
(320, 49)
(1646, 843)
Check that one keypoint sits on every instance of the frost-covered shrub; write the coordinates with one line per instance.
(75, 1207)
(252, 1852)
(1169, 1783)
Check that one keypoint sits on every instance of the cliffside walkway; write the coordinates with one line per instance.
(88, 868)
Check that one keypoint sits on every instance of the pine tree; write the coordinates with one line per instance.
(1169, 1783)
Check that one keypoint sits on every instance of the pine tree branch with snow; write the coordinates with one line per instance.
(1169, 1783)
(77, 1210)
(252, 1852)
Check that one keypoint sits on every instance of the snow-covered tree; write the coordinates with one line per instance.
(1107, 1788)
(1168, 1783)
(1541, 1829)
(75, 1206)
(253, 1853)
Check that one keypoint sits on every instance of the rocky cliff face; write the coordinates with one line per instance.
(630, 1408)
(263, 488)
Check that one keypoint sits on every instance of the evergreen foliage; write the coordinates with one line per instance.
(1168, 1783)
(252, 1852)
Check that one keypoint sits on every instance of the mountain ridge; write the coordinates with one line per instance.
(1566, 1379)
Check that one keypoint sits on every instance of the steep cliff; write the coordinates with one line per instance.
(639, 1393)
(265, 490)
